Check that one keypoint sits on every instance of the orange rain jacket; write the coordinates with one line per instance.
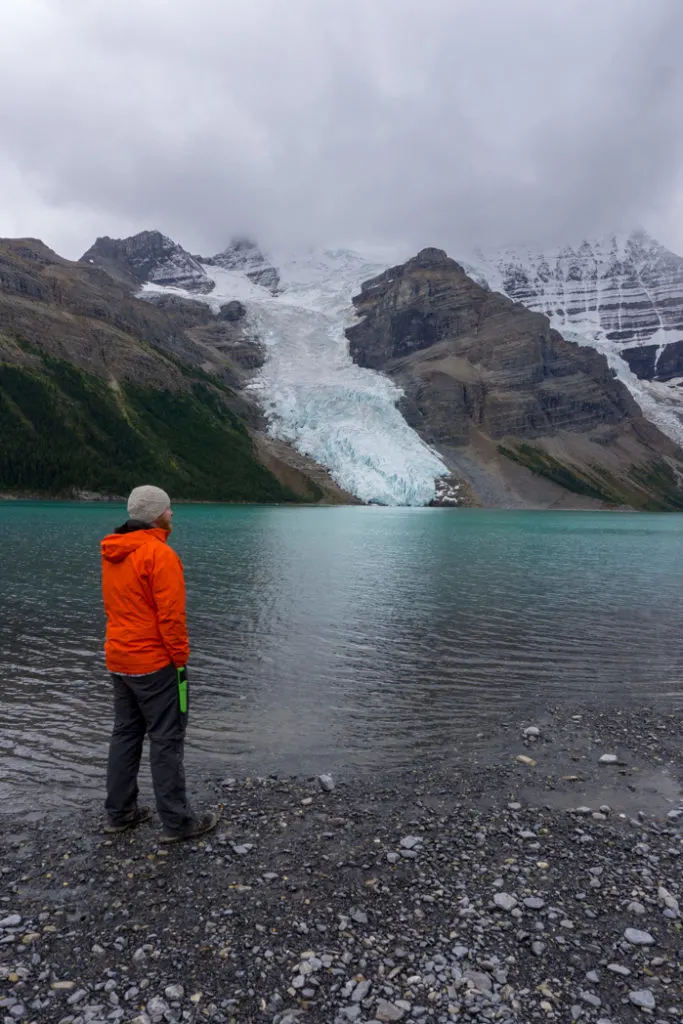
(144, 600)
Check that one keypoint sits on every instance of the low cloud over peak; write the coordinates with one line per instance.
(440, 122)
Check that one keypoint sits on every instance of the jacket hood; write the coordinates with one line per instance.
(117, 546)
(133, 524)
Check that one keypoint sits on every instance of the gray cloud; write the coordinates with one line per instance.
(449, 122)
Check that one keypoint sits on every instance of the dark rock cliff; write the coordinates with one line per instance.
(226, 335)
(655, 362)
(517, 376)
(485, 376)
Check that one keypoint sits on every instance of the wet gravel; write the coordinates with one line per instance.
(506, 891)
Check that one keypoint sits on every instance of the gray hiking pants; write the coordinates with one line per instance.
(148, 704)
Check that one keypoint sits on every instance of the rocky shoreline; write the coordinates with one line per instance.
(545, 885)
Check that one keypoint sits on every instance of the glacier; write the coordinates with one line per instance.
(342, 415)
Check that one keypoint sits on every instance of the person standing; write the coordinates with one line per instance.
(146, 650)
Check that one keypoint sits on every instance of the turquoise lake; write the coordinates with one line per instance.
(349, 640)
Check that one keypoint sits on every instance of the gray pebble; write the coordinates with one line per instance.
(482, 982)
(505, 901)
(290, 1017)
(643, 998)
(157, 1007)
(668, 900)
(638, 938)
(618, 969)
(361, 991)
(386, 1011)
(241, 849)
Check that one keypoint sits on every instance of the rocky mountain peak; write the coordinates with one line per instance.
(149, 256)
(429, 258)
(429, 264)
(241, 245)
(430, 300)
(245, 255)
(21, 260)
(31, 250)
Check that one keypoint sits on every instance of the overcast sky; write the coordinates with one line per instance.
(442, 122)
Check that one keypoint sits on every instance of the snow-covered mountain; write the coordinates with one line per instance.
(244, 254)
(626, 290)
(149, 256)
(153, 256)
(621, 294)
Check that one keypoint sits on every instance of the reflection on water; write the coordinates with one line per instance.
(341, 638)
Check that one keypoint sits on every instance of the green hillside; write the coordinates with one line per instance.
(62, 428)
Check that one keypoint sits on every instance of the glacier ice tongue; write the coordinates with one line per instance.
(342, 415)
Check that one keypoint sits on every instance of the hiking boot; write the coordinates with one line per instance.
(197, 827)
(139, 815)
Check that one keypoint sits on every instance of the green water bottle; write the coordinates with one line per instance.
(182, 690)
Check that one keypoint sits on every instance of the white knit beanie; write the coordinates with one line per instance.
(147, 503)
